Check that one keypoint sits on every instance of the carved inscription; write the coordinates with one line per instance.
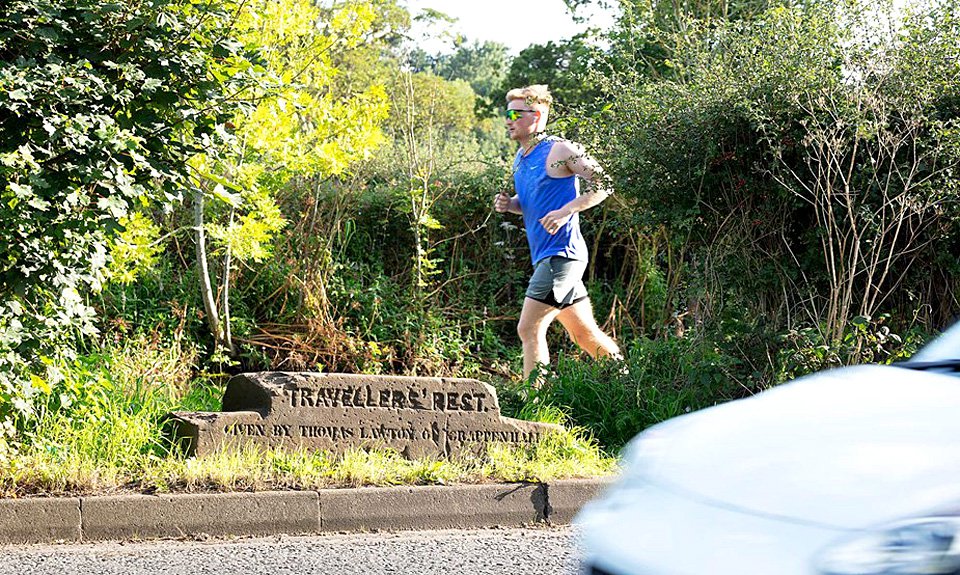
(415, 416)
(322, 431)
(247, 429)
(366, 397)
(376, 432)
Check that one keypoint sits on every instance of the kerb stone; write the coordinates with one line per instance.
(39, 520)
(431, 507)
(566, 497)
(216, 514)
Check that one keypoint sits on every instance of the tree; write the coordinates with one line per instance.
(567, 67)
(101, 105)
(483, 65)
(298, 125)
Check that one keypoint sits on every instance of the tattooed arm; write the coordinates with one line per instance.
(568, 158)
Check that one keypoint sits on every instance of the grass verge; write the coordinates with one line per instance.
(69, 471)
(108, 439)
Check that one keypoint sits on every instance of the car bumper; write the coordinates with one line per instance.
(645, 529)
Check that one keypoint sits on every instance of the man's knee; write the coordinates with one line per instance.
(527, 331)
(533, 330)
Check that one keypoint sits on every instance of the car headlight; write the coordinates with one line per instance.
(927, 546)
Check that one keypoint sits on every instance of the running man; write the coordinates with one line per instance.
(547, 172)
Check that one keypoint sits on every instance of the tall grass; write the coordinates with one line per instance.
(561, 455)
(108, 436)
(615, 400)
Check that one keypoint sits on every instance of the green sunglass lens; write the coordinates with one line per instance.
(513, 115)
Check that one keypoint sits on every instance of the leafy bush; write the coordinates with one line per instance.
(101, 106)
(866, 340)
(657, 380)
(795, 168)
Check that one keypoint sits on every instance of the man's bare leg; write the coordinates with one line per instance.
(580, 324)
(535, 318)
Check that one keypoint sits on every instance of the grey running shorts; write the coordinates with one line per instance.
(558, 281)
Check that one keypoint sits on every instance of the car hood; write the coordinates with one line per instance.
(844, 448)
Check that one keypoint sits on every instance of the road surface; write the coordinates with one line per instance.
(534, 551)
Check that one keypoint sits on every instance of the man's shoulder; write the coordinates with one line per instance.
(562, 145)
(564, 151)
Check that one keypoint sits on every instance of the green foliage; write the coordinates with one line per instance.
(247, 236)
(567, 454)
(784, 167)
(375, 58)
(656, 381)
(99, 414)
(297, 124)
(425, 103)
(134, 250)
(101, 105)
(483, 65)
(384, 308)
(567, 67)
(867, 340)
(300, 125)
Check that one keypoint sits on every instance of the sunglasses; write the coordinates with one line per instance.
(514, 115)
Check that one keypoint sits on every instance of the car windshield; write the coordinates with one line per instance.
(945, 348)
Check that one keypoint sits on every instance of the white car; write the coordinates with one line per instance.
(851, 471)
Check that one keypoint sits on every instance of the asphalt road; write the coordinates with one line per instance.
(511, 551)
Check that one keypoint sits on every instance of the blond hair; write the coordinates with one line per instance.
(535, 94)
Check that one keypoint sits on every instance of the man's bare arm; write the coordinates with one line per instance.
(595, 188)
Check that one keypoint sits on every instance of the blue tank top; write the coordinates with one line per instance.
(539, 193)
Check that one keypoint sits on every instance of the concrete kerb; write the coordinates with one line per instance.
(215, 514)
(431, 507)
(40, 520)
(565, 498)
(138, 517)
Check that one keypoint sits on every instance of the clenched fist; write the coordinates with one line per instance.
(502, 202)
